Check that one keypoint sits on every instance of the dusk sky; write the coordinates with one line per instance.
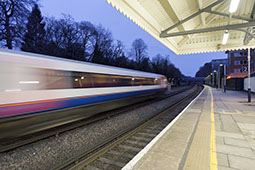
(99, 12)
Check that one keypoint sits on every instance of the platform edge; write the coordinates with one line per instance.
(134, 161)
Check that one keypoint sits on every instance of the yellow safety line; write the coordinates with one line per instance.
(213, 161)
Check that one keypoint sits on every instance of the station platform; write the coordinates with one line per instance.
(216, 131)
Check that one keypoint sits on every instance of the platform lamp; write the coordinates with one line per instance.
(249, 75)
(218, 74)
(215, 78)
(211, 75)
(224, 78)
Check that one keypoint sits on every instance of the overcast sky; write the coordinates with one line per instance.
(99, 12)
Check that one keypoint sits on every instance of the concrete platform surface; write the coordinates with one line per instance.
(217, 131)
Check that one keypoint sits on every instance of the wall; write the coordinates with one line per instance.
(252, 84)
(243, 57)
(235, 84)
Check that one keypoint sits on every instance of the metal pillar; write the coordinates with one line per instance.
(249, 75)
(213, 80)
(225, 78)
(216, 79)
(219, 78)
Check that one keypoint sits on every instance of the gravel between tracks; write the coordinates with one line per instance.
(47, 153)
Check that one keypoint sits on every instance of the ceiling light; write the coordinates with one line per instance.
(233, 5)
(225, 38)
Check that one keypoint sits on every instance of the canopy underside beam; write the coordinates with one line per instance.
(211, 29)
(208, 9)
(190, 17)
(194, 25)
(227, 15)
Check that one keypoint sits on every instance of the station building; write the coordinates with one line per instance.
(236, 70)
(217, 130)
(238, 63)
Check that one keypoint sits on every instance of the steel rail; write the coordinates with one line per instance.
(87, 156)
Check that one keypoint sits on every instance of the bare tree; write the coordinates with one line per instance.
(54, 37)
(86, 31)
(54, 32)
(102, 44)
(13, 13)
(118, 50)
(139, 50)
(157, 63)
(162, 65)
(70, 32)
(63, 37)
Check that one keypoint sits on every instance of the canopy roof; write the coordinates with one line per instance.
(192, 26)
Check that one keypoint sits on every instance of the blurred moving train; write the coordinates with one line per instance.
(38, 92)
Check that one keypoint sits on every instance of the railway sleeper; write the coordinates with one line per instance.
(149, 135)
(129, 156)
(129, 148)
(143, 139)
(112, 162)
(156, 132)
(138, 143)
(90, 167)
(154, 129)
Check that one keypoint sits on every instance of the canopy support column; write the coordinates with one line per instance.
(249, 75)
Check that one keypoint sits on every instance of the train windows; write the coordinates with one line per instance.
(19, 78)
(28, 78)
(148, 81)
(121, 80)
(101, 80)
(56, 79)
(139, 81)
(165, 81)
(81, 80)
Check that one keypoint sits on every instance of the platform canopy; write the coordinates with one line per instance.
(193, 26)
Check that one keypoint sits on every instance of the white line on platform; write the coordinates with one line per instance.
(132, 163)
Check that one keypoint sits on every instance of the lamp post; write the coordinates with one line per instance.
(225, 81)
(249, 76)
(218, 77)
(215, 81)
(224, 77)
(211, 79)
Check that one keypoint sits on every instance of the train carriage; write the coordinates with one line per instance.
(38, 92)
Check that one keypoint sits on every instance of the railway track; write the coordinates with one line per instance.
(24, 140)
(117, 150)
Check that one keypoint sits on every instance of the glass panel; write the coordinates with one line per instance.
(16, 78)
(56, 79)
